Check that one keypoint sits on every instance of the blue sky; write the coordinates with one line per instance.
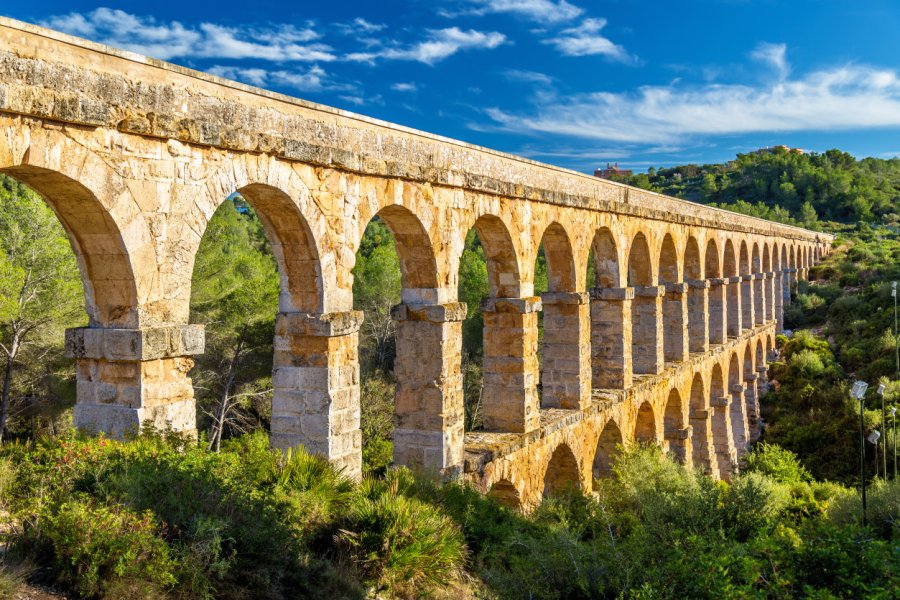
(575, 83)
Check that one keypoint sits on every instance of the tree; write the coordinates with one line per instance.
(40, 287)
(376, 288)
(235, 295)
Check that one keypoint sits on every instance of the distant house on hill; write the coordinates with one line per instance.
(612, 171)
(782, 148)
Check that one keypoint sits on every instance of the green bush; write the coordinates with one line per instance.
(398, 544)
(883, 509)
(774, 461)
(96, 547)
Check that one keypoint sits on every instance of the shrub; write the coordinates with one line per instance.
(774, 461)
(883, 509)
(97, 546)
(399, 544)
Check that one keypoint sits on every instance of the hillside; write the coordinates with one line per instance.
(789, 186)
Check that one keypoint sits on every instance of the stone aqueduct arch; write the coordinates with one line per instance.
(135, 155)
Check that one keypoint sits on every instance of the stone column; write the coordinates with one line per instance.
(702, 447)
(769, 284)
(429, 410)
(566, 377)
(718, 310)
(509, 398)
(611, 337)
(733, 300)
(738, 417)
(316, 386)
(722, 440)
(752, 402)
(763, 381)
(747, 302)
(678, 444)
(676, 347)
(759, 298)
(790, 278)
(646, 336)
(127, 378)
(698, 315)
(779, 301)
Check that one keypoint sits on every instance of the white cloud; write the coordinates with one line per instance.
(848, 97)
(585, 40)
(167, 40)
(357, 100)
(775, 55)
(440, 44)
(404, 87)
(528, 76)
(310, 80)
(545, 11)
(366, 26)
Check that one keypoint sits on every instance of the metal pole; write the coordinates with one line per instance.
(862, 459)
(896, 342)
(884, 442)
(895, 446)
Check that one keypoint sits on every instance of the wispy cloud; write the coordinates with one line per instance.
(309, 80)
(406, 86)
(544, 11)
(167, 40)
(775, 55)
(526, 76)
(585, 40)
(440, 44)
(846, 97)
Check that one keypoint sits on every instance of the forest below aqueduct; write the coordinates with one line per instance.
(224, 517)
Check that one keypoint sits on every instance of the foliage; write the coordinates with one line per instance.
(96, 547)
(235, 295)
(376, 288)
(399, 544)
(847, 303)
(40, 295)
(789, 186)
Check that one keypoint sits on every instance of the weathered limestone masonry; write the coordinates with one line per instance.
(664, 346)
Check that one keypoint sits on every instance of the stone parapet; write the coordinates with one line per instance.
(700, 284)
(124, 345)
(612, 294)
(318, 325)
(520, 306)
(433, 313)
(575, 298)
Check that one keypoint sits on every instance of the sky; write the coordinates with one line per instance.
(574, 83)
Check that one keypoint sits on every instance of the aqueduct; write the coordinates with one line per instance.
(668, 343)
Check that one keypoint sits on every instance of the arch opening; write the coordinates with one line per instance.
(698, 298)
(646, 309)
(674, 305)
(506, 494)
(609, 446)
(563, 326)
(674, 430)
(645, 425)
(49, 281)
(562, 472)
(500, 341)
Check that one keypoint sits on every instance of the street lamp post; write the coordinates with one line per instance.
(881, 388)
(873, 439)
(894, 437)
(896, 341)
(859, 392)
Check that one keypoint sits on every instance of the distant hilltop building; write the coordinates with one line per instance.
(771, 149)
(612, 170)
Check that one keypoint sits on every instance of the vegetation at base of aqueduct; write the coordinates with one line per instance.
(154, 518)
